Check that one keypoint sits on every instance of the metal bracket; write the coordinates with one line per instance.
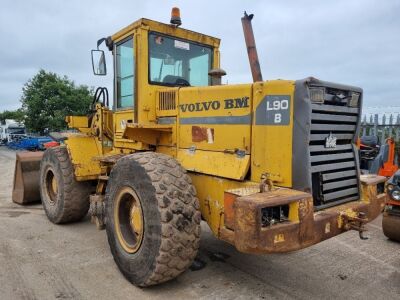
(356, 223)
(266, 182)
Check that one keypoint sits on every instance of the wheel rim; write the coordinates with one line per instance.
(128, 218)
(51, 186)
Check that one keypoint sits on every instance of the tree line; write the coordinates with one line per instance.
(47, 99)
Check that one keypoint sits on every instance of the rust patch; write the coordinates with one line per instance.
(201, 134)
(306, 217)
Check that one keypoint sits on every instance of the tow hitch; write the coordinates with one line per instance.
(356, 223)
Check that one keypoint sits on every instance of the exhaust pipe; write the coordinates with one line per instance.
(251, 47)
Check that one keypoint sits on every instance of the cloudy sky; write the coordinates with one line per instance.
(348, 41)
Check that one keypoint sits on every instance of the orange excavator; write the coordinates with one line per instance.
(376, 159)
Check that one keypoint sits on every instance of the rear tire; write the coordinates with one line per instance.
(64, 199)
(165, 239)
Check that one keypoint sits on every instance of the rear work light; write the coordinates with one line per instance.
(317, 95)
(354, 99)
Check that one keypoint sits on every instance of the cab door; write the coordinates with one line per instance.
(124, 86)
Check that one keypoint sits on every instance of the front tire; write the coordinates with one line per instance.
(64, 199)
(152, 218)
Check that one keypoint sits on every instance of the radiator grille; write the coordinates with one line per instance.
(167, 100)
(334, 163)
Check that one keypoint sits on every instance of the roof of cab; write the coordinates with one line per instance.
(167, 29)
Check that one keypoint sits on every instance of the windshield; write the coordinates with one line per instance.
(16, 130)
(176, 62)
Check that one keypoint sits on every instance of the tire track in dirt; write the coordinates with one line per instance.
(12, 267)
(61, 286)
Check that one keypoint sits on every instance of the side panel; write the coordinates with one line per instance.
(215, 163)
(83, 151)
(271, 150)
(216, 118)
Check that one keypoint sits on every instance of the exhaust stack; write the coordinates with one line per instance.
(251, 47)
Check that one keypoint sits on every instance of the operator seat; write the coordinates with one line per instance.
(175, 80)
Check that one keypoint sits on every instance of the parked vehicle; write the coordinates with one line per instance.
(376, 158)
(11, 131)
(391, 215)
(271, 166)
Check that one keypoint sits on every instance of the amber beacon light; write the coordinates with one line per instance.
(176, 16)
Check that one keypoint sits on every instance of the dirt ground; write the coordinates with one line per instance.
(39, 260)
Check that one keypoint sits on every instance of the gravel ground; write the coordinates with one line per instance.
(39, 260)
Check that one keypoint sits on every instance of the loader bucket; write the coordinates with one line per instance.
(26, 177)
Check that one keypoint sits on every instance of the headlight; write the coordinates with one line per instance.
(354, 99)
(317, 95)
(395, 195)
(390, 187)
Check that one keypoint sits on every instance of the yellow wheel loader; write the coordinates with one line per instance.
(271, 166)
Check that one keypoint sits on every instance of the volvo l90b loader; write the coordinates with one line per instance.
(271, 166)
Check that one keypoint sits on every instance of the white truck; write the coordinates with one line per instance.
(11, 130)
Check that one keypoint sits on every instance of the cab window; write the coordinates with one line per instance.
(125, 66)
(176, 62)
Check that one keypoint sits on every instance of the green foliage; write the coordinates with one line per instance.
(48, 98)
(17, 115)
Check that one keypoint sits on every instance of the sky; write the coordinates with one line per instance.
(354, 42)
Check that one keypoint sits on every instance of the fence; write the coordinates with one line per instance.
(381, 125)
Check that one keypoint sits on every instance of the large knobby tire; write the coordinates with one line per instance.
(163, 242)
(64, 199)
(391, 226)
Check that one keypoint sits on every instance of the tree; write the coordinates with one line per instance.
(48, 98)
(17, 115)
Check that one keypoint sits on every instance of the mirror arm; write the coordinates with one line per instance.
(99, 42)
(108, 41)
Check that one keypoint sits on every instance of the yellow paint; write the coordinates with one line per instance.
(205, 100)
(54, 185)
(348, 212)
(147, 24)
(272, 144)
(77, 121)
(294, 212)
(214, 163)
(279, 238)
(83, 150)
(127, 197)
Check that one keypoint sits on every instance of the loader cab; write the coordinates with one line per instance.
(149, 57)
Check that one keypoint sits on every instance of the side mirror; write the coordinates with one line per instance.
(99, 62)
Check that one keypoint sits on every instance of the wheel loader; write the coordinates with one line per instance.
(270, 166)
